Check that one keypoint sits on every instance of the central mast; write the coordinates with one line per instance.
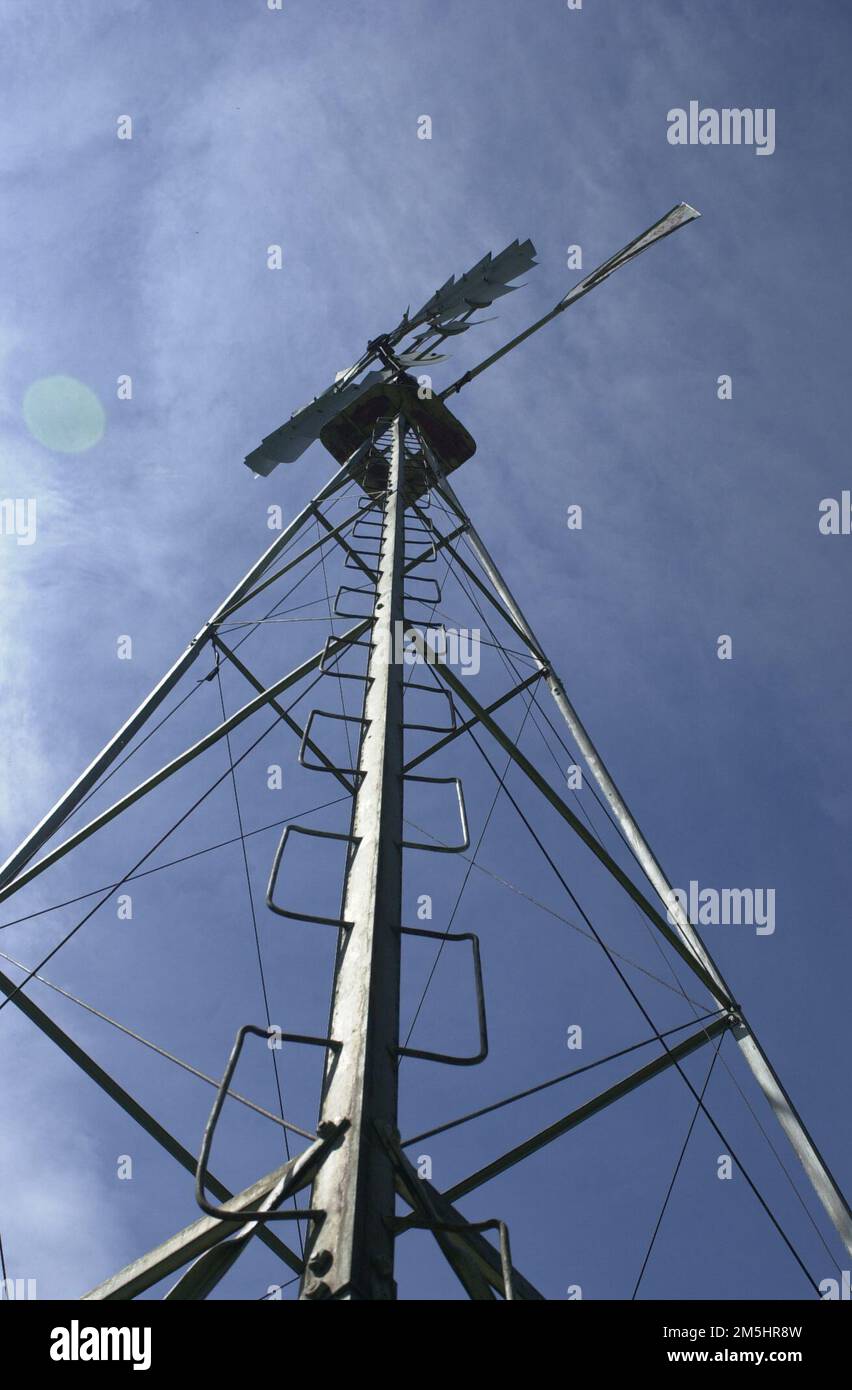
(352, 1248)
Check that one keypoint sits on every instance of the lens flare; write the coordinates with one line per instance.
(64, 414)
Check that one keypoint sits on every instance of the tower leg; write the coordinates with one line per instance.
(816, 1169)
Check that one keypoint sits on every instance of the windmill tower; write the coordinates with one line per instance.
(406, 708)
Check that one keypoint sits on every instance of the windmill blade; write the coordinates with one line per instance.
(452, 327)
(290, 441)
(677, 217)
(480, 286)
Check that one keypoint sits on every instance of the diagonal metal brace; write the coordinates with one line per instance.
(337, 533)
(67, 803)
(470, 723)
(188, 1244)
(281, 712)
(212, 1266)
(671, 1057)
(127, 1102)
(175, 765)
(479, 1267)
(686, 954)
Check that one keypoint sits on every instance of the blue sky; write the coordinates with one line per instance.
(148, 257)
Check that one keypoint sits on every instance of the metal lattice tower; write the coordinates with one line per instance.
(396, 446)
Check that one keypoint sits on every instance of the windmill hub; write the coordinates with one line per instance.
(362, 423)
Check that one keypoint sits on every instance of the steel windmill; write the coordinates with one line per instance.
(396, 443)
